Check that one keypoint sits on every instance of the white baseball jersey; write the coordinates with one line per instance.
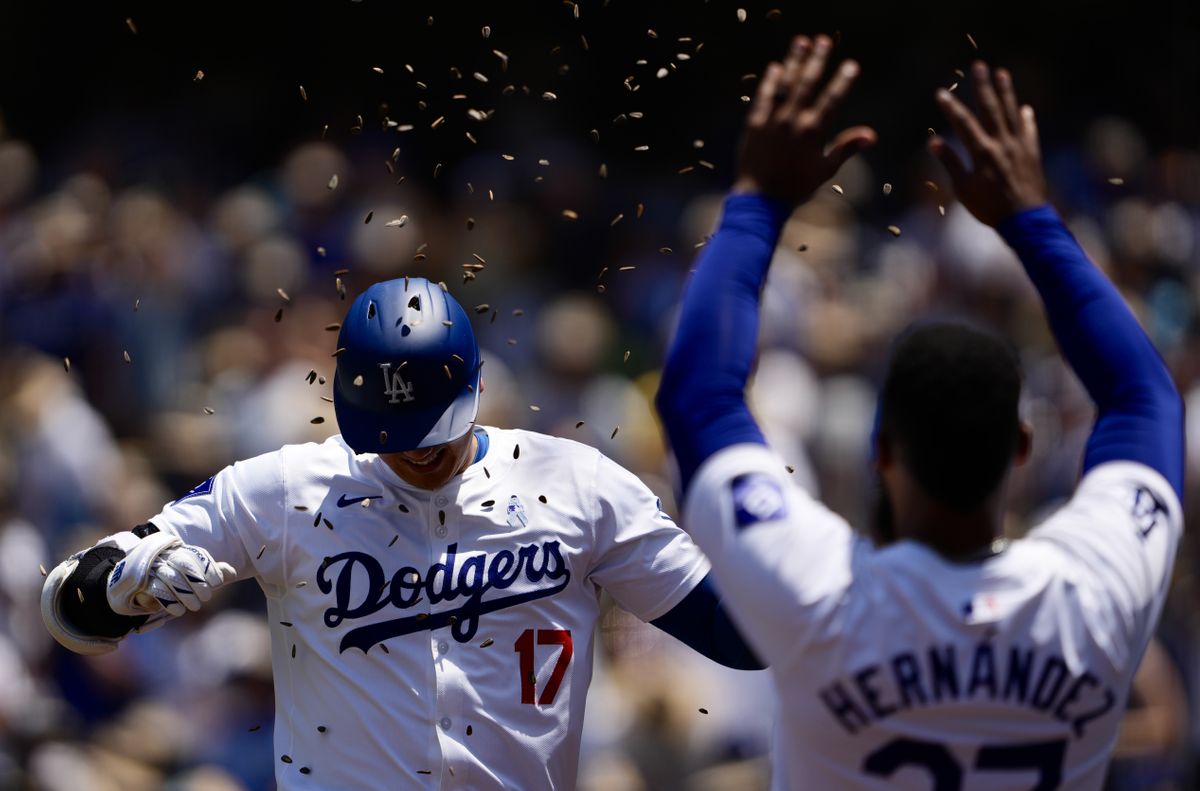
(898, 669)
(437, 639)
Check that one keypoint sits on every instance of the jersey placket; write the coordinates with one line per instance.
(444, 531)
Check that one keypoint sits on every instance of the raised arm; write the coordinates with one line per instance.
(1140, 414)
(785, 155)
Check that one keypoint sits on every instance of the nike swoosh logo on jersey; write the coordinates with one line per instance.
(343, 502)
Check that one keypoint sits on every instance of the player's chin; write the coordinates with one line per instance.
(430, 472)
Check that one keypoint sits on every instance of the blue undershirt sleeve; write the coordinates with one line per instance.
(1139, 411)
(702, 393)
(701, 622)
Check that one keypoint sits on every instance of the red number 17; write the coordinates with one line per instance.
(524, 647)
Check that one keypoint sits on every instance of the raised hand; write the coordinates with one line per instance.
(1002, 138)
(786, 153)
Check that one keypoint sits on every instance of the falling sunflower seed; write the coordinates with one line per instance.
(894, 230)
(838, 189)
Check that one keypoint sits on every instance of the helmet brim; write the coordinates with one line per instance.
(375, 433)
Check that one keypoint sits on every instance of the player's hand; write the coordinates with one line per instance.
(1002, 138)
(786, 152)
(162, 574)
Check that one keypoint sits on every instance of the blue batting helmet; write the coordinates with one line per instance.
(407, 368)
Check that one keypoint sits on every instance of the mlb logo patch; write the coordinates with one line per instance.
(1148, 511)
(757, 498)
(203, 488)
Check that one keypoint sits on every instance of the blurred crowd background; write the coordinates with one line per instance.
(189, 197)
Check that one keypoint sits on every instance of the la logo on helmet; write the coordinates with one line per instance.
(395, 386)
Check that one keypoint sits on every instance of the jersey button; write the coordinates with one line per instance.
(445, 723)
(441, 531)
(443, 647)
(440, 500)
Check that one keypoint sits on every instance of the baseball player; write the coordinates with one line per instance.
(941, 657)
(432, 585)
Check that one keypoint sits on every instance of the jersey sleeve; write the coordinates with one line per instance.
(640, 555)
(782, 560)
(1122, 527)
(230, 513)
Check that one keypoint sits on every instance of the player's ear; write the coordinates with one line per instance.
(482, 384)
(1024, 443)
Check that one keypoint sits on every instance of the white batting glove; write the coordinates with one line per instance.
(161, 575)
